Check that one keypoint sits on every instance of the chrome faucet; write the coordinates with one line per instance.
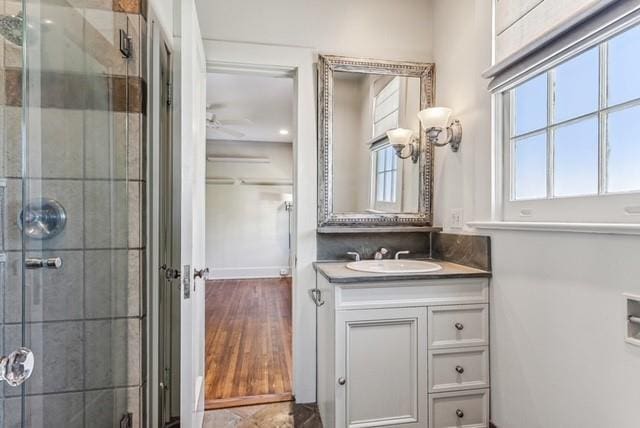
(380, 254)
(354, 254)
(399, 253)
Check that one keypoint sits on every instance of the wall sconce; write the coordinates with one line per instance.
(434, 120)
(401, 138)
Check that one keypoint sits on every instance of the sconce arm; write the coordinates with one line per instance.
(414, 154)
(454, 136)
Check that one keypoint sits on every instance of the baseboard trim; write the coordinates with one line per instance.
(225, 403)
(248, 272)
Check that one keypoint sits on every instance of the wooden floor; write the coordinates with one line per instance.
(248, 343)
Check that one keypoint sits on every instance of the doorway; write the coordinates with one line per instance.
(249, 203)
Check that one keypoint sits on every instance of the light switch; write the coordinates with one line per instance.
(456, 218)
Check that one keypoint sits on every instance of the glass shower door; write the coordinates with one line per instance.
(71, 194)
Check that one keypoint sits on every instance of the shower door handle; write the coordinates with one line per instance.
(50, 263)
(16, 367)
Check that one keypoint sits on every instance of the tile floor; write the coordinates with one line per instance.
(277, 415)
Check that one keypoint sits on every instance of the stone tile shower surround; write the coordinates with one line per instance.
(85, 320)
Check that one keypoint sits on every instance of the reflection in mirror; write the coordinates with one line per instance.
(368, 177)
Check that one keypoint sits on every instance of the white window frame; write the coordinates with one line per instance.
(604, 208)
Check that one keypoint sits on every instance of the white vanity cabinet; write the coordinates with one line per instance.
(403, 353)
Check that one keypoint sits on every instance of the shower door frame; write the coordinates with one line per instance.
(159, 409)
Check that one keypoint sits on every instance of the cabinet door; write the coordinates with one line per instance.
(381, 368)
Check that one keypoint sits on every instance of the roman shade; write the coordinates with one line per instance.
(580, 32)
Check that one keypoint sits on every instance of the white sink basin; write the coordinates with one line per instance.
(394, 266)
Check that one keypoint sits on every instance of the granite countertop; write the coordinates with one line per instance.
(337, 272)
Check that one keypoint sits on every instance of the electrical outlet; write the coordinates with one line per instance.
(456, 218)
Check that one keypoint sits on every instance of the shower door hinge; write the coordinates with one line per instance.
(126, 421)
(169, 94)
(125, 44)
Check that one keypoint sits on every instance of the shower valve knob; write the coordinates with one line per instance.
(16, 367)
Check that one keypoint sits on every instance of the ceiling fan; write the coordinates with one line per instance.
(222, 125)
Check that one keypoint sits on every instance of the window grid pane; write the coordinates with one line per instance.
(623, 150)
(576, 86)
(575, 158)
(530, 105)
(623, 66)
(529, 158)
(601, 81)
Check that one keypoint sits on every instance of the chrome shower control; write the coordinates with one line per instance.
(17, 366)
(42, 218)
(51, 263)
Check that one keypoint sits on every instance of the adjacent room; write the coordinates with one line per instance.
(248, 238)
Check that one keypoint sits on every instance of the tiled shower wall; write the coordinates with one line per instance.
(86, 150)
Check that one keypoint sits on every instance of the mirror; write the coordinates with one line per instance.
(363, 182)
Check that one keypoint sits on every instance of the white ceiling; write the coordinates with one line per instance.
(267, 103)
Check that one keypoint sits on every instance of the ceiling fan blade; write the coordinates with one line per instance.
(231, 132)
(236, 122)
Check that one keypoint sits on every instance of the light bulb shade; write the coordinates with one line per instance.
(400, 137)
(435, 117)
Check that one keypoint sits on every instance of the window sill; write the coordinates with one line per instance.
(597, 228)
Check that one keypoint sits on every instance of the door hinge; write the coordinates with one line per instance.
(125, 44)
(186, 282)
(167, 379)
(126, 421)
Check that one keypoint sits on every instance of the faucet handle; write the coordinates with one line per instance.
(399, 253)
(354, 254)
(383, 251)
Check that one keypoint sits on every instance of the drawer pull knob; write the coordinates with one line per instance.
(459, 326)
(341, 381)
(459, 413)
(460, 369)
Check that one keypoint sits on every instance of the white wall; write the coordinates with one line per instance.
(557, 324)
(247, 226)
(462, 180)
(558, 355)
(382, 29)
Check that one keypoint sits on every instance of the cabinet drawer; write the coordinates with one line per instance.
(469, 409)
(458, 369)
(456, 326)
